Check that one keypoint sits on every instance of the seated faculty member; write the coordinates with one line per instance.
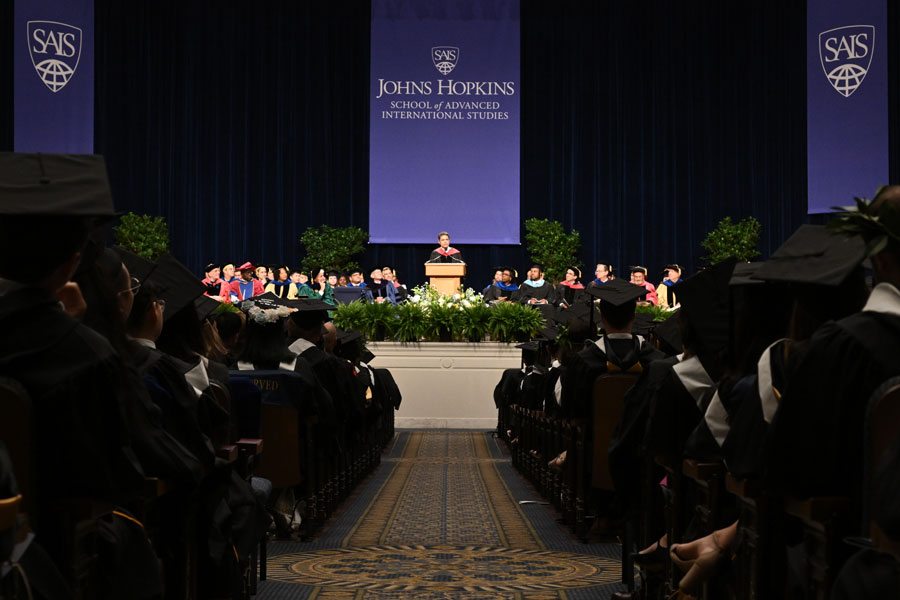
(502, 291)
(666, 292)
(246, 286)
(569, 287)
(639, 277)
(536, 290)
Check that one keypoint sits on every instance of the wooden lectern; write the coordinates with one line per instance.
(446, 277)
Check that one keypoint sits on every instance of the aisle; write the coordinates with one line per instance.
(441, 520)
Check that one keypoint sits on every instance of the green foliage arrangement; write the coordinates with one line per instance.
(732, 239)
(333, 248)
(225, 307)
(659, 314)
(143, 235)
(444, 320)
(351, 316)
(879, 229)
(511, 322)
(379, 320)
(548, 243)
(475, 322)
(412, 323)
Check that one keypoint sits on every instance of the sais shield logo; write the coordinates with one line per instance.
(845, 54)
(55, 49)
(444, 58)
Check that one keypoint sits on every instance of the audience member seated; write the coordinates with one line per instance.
(281, 286)
(639, 277)
(390, 275)
(298, 280)
(666, 291)
(382, 289)
(318, 289)
(569, 287)
(246, 286)
(602, 275)
(503, 290)
(536, 290)
(216, 288)
(228, 273)
(498, 277)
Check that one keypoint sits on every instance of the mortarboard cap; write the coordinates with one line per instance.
(536, 265)
(137, 266)
(743, 274)
(367, 356)
(617, 292)
(638, 269)
(531, 345)
(576, 311)
(205, 306)
(309, 304)
(246, 266)
(177, 285)
(210, 267)
(270, 301)
(671, 267)
(575, 270)
(704, 302)
(669, 333)
(814, 255)
(347, 336)
(65, 185)
(643, 324)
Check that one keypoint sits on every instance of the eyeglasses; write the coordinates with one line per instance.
(135, 286)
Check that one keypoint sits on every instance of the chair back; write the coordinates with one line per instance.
(15, 431)
(883, 425)
(609, 401)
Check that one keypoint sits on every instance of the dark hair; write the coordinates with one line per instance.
(295, 270)
(29, 258)
(229, 324)
(100, 287)
(266, 345)
(617, 316)
(182, 334)
(146, 296)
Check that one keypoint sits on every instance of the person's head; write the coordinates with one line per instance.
(332, 278)
(356, 276)
(673, 273)
(638, 275)
(342, 280)
(376, 275)
(573, 274)
(444, 239)
(307, 324)
(886, 264)
(228, 272)
(270, 274)
(617, 319)
(262, 272)
(182, 334)
(535, 272)
(295, 276)
(318, 278)
(247, 274)
(282, 274)
(265, 345)
(387, 273)
(108, 290)
(498, 275)
(230, 326)
(602, 271)
(146, 318)
(212, 272)
(507, 275)
(47, 260)
(329, 338)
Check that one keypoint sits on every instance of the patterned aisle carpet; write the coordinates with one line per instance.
(441, 520)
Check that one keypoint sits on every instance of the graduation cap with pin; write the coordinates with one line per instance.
(617, 292)
(64, 185)
(814, 255)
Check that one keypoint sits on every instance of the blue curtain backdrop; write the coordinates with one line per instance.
(643, 124)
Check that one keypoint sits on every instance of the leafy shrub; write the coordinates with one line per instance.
(412, 323)
(351, 316)
(379, 319)
(143, 235)
(333, 248)
(511, 322)
(547, 243)
(475, 322)
(732, 239)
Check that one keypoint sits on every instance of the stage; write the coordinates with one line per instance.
(446, 385)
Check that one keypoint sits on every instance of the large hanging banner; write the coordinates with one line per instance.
(54, 76)
(444, 127)
(847, 101)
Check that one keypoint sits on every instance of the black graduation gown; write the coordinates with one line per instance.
(436, 256)
(506, 392)
(337, 377)
(526, 292)
(564, 292)
(164, 378)
(79, 436)
(579, 374)
(551, 405)
(531, 390)
(495, 292)
(624, 462)
(816, 437)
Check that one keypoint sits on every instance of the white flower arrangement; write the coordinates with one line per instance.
(264, 316)
(426, 296)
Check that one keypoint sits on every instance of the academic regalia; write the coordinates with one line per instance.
(72, 377)
(450, 255)
(567, 292)
(817, 433)
(667, 293)
(527, 292)
(307, 291)
(651, 295)
(217, 288)
(506, 390)
(281, 289)
(336, 376)
(500, 290)
(384, 289)
(244, 290)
